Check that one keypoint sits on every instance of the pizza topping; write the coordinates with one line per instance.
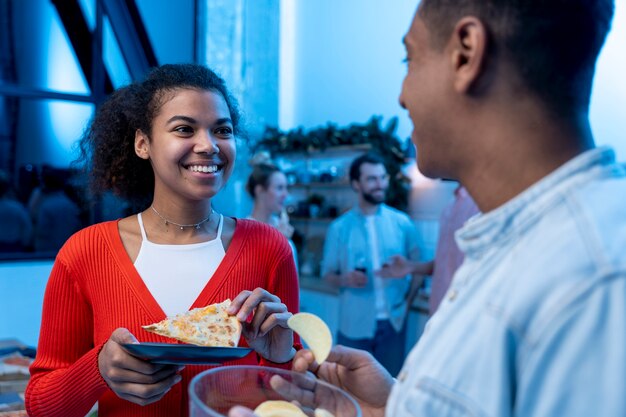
(204, 326)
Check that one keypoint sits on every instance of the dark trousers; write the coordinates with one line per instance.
(387, 346)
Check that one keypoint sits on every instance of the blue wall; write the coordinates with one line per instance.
(22, 286)
(608, 101)
(341, 62)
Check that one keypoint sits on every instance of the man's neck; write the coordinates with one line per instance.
(518, 156)
(368, 209)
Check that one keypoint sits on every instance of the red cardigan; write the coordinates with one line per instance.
(94, 289)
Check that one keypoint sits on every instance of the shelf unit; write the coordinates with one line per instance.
(321, 185)
(295, 219)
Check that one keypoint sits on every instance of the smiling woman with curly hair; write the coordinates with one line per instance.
(168, 143)
(108, 145)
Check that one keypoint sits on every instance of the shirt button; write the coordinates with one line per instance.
(452, 294)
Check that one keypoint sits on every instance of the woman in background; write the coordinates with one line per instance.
(15, 222)
(267, 185)
(168, 144)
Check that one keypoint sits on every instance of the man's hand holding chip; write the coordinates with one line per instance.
(356, 372)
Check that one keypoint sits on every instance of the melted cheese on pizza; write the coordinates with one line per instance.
(204, 326)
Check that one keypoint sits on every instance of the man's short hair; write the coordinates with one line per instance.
(368, 158)
(553, 44)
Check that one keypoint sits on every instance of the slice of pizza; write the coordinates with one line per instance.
(204, 326)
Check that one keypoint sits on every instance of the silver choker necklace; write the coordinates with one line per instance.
(182, 226)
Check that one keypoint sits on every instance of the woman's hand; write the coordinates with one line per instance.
(283, 225)
(131, 378)
(356, 372)
(267, 333)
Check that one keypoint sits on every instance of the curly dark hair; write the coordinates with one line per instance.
(107, 149)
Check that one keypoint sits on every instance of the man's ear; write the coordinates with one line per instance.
(468, 45)
(142, 144)
(355, 185)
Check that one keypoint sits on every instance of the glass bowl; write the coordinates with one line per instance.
(215, 391)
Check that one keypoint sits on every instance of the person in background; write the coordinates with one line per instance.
(535, 322)
(372, 309)
(15, 223)
(167, 143)
(56, 216)
(267, 185)
(448, 256)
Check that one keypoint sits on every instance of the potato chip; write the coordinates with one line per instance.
(314, 332)
(320, 412)
(277, 408)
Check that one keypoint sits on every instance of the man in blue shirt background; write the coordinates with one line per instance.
(372, 309)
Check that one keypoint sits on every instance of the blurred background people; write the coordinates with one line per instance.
(372, 309)
(55, 216)
(448, 256)
(267, 185)
(15, 225)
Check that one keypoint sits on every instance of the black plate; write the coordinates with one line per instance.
(170, 353)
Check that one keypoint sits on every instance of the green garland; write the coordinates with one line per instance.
(383, 141)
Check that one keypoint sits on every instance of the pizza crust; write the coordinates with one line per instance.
(204, 326)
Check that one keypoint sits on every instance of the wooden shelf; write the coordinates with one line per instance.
(311, 219)
(362, 147)
(321, 185)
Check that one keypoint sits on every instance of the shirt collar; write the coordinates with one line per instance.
(357, 210)
(485, 230)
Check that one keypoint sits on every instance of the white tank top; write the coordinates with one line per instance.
(176, 274)
(379, 286)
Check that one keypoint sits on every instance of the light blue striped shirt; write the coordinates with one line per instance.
(534, 323)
